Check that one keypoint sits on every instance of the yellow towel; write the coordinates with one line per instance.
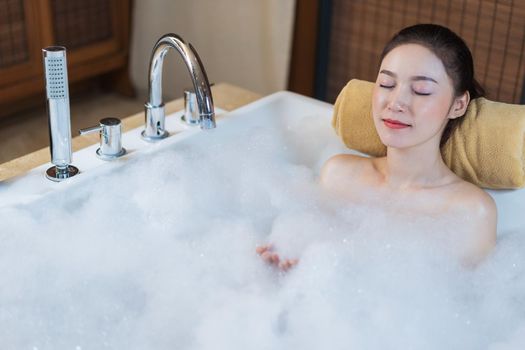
(487, 149)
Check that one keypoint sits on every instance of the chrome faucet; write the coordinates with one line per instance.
(154, 108)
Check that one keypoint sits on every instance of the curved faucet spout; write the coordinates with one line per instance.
(155, 107)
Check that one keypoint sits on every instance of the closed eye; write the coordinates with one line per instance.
(386, 86)
(422, 93)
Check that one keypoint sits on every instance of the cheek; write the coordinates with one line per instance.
(434, 109)
(378, 99)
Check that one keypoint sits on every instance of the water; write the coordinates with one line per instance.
(161, 255)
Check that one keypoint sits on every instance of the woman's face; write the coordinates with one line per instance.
(412, 97)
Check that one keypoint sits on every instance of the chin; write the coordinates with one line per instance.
(396, 144)
(394, 141)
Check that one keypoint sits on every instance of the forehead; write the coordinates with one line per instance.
(414, 59)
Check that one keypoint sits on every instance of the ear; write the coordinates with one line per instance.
(459, 106)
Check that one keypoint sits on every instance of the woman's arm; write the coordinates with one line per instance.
(335, 172)
(330, 172)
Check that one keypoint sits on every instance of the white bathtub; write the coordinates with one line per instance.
(156, 251)
(278, 109)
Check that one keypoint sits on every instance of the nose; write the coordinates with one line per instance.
(398, 102)
(396, 106)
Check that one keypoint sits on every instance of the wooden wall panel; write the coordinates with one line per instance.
(494, 31)
(302, 67)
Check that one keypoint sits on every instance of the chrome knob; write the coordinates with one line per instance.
(191, 109)
(110, 130)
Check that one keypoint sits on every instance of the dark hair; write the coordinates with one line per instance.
(454, 54)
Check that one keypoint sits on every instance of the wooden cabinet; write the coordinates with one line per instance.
(95, 33)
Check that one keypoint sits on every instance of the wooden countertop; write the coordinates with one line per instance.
(225, 96)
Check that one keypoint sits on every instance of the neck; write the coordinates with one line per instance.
(415, 167)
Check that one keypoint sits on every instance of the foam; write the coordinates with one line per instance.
(165, 258)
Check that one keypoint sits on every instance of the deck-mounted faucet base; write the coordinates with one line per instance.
(57, 174)
(155, 119)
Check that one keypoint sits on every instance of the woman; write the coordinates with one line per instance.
(424, 85)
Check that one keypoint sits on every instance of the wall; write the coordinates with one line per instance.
(243, 42)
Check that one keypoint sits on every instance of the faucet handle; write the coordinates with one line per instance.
(191, 109)
(110, 130)
(90, 130)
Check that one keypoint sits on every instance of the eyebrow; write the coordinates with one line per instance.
(414, 78)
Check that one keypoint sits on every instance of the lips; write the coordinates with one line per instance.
(395, 124)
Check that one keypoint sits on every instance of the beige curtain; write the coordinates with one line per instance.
(243, 42)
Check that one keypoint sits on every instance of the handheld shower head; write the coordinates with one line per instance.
(57, 94)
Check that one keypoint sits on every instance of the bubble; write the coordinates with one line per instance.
(166, 259)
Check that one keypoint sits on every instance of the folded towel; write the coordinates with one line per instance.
(487, 149)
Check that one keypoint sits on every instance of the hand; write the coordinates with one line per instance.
(265, 251)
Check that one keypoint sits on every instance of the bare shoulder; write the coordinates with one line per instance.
(479, 220)
(474, 200)
(343, 166)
